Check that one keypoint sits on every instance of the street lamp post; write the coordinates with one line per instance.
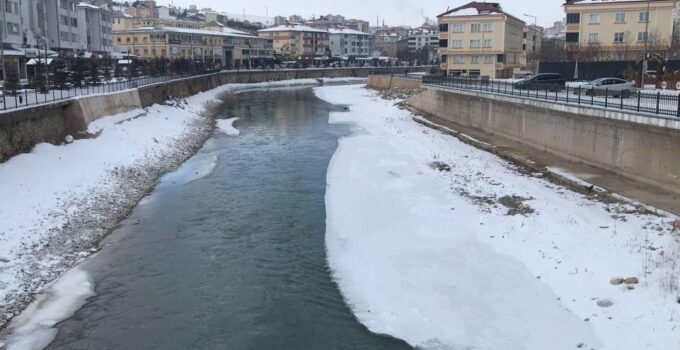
(526, 39)
(644, 58)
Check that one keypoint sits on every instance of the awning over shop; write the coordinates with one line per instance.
(34, 61)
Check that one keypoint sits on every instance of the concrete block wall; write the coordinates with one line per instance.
(383, 82)
(22, 129)
(638, 150)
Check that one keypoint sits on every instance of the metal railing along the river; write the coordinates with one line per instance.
(662, 103)
(27, 97)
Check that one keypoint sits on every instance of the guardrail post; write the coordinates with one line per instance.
(638, 100)
(579, 96)
(678, 106)
(606, 97)
(621, 100)
(658, 97)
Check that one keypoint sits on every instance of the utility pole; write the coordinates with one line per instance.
(2, 45)
(644, 58)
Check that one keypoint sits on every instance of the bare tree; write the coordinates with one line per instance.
(593, 53)
(552, 50)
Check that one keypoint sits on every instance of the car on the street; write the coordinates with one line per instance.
(615, 87)
(543, 81)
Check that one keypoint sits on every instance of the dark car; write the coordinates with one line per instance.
(543, 81)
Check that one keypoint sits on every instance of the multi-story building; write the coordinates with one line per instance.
(387, 44)
(296, 19)
(125, 23)
(280, 20)
(345, 42)
(296, 40)
(227, 47)
(357, 24)
(532, 39)
(417, 41)
(142, 9)
(618, 29)
(480, 39)
(96, 30)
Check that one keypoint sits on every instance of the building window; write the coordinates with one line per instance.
(643, 16)
(12, 28)
(573, 18)
(11, 7)
(620, 17)
(444, 27)
(458, 59)
(593, 38)
(443, 43)
(487, 27)
(500, 58)
(594, 18)
(475, 43)
(474, 59)
(486, 43)
(619, 37)
(643, 36)
(457, 44)
(572, 37)
(476, 27)
(443, 58)
(488, 59)
(458, 28)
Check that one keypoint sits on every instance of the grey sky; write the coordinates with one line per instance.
(395, 12)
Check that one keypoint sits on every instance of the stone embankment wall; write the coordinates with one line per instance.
(385, 82)
(642, 148)
(22, 129)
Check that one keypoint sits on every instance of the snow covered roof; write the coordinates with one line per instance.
(292, 28)
(346, 31)
(84, 4)
(226, 31)
(477, 9)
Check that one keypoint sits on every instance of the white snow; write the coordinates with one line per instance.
(34, 328)
(227, 126)
(431, 257)
(42, 190)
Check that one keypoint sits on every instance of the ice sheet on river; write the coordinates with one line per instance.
(436, 257)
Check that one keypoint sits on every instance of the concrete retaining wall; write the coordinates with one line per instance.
(21, 129)
(383, 82)
(638, 150)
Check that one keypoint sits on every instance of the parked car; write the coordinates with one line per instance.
(543, 81)
(609, 86)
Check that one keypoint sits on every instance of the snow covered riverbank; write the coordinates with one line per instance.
(446, 246)
(59, 201)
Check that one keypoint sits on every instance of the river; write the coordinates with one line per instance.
(228, 252)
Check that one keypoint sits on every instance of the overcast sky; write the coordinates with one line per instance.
(394, 12)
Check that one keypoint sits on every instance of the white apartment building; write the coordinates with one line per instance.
(417, 41)
(31, 26)
(345, 42)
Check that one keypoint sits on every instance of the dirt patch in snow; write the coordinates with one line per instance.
(516, 205)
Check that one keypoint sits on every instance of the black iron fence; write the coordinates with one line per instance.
(656, 102)
(29, 96)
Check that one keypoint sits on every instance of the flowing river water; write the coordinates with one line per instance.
(228, 252)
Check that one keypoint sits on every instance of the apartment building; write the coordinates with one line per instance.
(121, 23)
(97, 32)
(228, 47)
(618, 29)
(480, 39)
(532, 39)
(345, 42)
(295, 40)
(31, 26)
(417, 41)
